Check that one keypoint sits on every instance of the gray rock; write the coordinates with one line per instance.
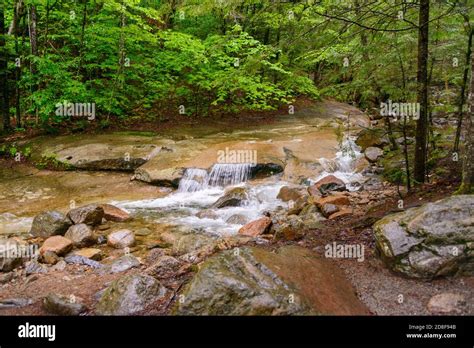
(32, 267)
(121, 239)
(63, 305)
(164, 267)
(122, 264)
(82, 260)
(237, 219)
(15, 302)
(49, 223)
(129, 295)
(90, 214)
(81, 235)
(433, 240)
(373, 153)
(10, 258)
(329, 209)
(207, 214)
(446, 303)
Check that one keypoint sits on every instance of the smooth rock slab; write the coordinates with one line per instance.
(253, 281)
(129, 295)
(446, 303)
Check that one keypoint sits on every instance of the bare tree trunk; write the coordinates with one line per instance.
(16, 28)
(462, 97)
(422, 92)
(467, 185)
(4, 71)
(32, 21)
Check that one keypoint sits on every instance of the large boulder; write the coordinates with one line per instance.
(436, 239)
(129, 295)
(233, 197)
(81, 235)
(49, 223)
(252, 281)
(90, 214)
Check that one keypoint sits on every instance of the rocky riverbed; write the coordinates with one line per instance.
(159, 225)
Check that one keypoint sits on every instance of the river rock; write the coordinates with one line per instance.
(433, 240)
(291, 193)
(233, 197)
(122, 264)
(207, 214)
(256, 227)
(371, 138)
(330, 183)
(10, 258)
(164, 267)
(121, 239)
(314, 191)
(328, 209)
(288, 228)
(81, 235)
(57, 244)
(292, 281)
(113, 213)
(63, 305)
(341, 213)
(185, 241)
(446, 303)
(311, 217)
(337, 200)
(237, 219)
(373, 153)
(90, 253)
(129, 295)
(90, 214)
(49, 258)
(49, 223)
(33, 267)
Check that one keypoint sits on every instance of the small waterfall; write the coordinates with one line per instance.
(343, 165)
(196, 179)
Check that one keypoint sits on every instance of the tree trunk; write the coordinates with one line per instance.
(467, 185)
(4, 71)
(422, 92)
(462, 97)
(16, 18)
(32, 21)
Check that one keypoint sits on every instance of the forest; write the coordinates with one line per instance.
(182, 142)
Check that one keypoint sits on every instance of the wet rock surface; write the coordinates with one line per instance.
(49, 223)
(256, 282)
(433, 240)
